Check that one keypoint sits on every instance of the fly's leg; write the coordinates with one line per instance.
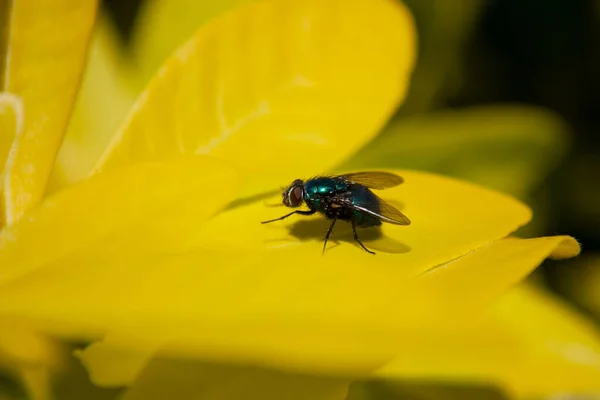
(310, 212)
(358, 240)
(328, 233)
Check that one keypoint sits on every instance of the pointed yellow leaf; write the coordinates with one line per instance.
(529, 344)
(512, 257)
(102, 103)
(45, 53)
(143, 208)
(163, 25)
(307, 82)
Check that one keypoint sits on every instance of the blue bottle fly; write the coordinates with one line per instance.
(345, 197)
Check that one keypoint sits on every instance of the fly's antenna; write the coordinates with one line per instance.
(283, 189)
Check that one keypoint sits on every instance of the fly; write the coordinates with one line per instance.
(345, 197)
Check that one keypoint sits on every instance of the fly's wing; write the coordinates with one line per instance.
(387, 213)
(374, 206)
(374, 180)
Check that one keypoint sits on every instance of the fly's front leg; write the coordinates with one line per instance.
(302, 212)
(328, 233)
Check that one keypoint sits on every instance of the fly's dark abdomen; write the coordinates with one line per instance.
(362, 196)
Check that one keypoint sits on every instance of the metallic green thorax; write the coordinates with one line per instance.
(319, 192)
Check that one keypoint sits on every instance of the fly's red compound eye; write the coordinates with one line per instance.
(296, 195)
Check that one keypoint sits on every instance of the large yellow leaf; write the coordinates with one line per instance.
(45, 53)
(163, 25)
(467, 284)
(11, 121)
(449, 219)
(144, 207)
(335, 319)
(530, 344)
(221, 290)
(106, 93)
(304, 82)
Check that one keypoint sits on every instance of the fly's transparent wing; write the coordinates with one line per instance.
(381, 210)
(392, 215)
(374, 180)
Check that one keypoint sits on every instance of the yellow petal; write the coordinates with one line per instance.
(162, 25)
(217, 293)
(33, 357)
(102, 103)
(306, 314)
(449, 219)
(142, 207)
(191, 379)
(296, 85)
(507, 148)
(44, 59)
(529, 344)
(11, 122)
(116, 361)
(511, 257)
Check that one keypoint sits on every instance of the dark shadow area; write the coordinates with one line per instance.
(423, 390)
(372, 237)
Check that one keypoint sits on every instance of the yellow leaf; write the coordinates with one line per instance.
(511, 257)
(116, 361)
(11, 122)
(529, 343)
(507, 148)
(102, 103)
(449, 219)
(191, 379)
(145, 205)
(219, 290)
(163, 25)
(308, 82)
(33, 357)
(44, 59)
